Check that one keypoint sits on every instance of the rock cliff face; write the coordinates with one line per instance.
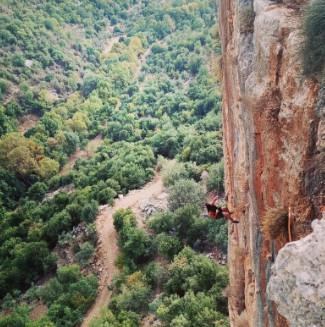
(274, 141)
(297, 284)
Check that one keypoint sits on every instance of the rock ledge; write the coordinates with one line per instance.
(297, 284)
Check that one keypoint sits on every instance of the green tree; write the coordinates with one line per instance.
(47, 168)
(168, 245)
(60, 222)
(37, 191)
(123, 318)
(84, 254)
(185, 192)
(191, 310)
(18, 318)
(24, 157)
(21, 161)
(89, 211)
(216, 176)
(195, 272)
(135, 295)
(106, 195)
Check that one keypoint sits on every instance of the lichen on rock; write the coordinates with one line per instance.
(297, 284)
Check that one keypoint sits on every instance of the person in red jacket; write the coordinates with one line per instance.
(217, 212)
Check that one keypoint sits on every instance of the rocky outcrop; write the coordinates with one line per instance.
(273, 143)
(297, 284)
(154, 204)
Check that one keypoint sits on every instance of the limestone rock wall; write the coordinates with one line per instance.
(297, 284)
(273, 143)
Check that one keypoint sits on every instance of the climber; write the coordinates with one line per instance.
(217, 212)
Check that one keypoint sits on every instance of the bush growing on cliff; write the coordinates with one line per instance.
(275, 223)
(314, 29)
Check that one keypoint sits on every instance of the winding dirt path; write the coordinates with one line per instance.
(107, 249)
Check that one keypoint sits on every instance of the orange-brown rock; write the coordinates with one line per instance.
(273, 143)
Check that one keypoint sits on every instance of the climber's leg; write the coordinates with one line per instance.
(227, 214)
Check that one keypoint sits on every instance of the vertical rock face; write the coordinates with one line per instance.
(297, 284)
(273, 143)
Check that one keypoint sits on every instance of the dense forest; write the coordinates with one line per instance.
(95, 96)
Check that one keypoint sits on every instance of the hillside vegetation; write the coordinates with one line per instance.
(135, 79)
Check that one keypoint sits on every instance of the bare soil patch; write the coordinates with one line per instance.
(38, 311)
(27, 122)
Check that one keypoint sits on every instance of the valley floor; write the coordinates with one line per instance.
(107, 248)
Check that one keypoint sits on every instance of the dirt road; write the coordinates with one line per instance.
(107, 249)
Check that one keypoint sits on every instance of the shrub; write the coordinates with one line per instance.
(184, 192)
(106, 195)
(90, 84)
(275, 223)
(84, 254)
(18, 318)
(195, 272)
(4, 86)
(108, 318)
(162, 222)
(124, 218)
(188, 225)
(48, 23)
(314, 30)
(155, 274)
(168, 245)
(136, 245)
(216, 177)
(89, 211)
(59, 223)
(218, 234)
(191, 310)
(37, 191)
(134, 297)
(91, 233)
(173, 171)
(68, 274)
(18, 60)
(113, 184)
(69, 295)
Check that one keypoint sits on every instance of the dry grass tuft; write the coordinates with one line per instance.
(275, 223)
